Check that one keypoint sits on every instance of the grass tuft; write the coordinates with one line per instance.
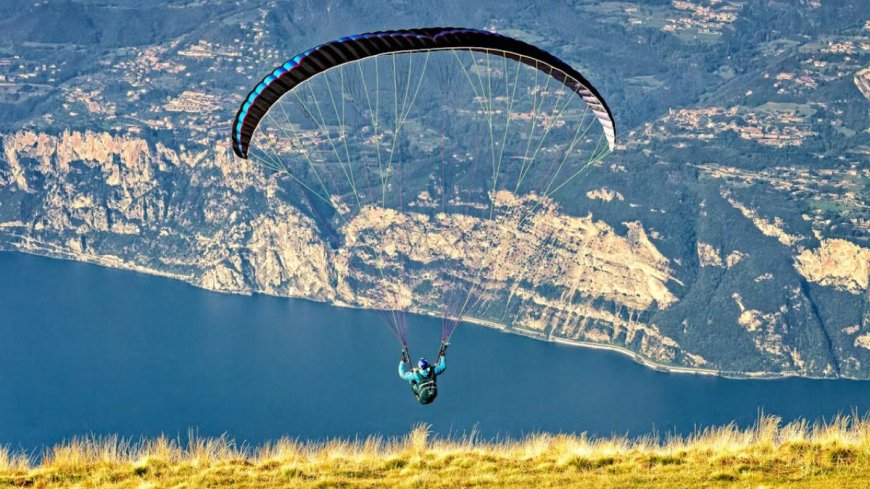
(583, 463)
(723, 477)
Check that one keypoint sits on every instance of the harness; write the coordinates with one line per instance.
(426, 390)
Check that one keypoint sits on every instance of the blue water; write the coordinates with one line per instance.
(90, 350)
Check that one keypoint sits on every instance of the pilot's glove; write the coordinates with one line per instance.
(406, 357)
(443, 351)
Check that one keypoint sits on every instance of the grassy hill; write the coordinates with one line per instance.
(823, 455)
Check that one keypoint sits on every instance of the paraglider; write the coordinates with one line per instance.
(429, 159)
(423, 378)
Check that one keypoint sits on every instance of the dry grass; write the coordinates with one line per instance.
(826, 455)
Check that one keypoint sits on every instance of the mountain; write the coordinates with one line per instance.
(728, 233)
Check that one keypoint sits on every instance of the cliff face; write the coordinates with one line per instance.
(219, 223)
(113, 199)
(109, 199)
(729, 231)
(838, 263)
(510, 260)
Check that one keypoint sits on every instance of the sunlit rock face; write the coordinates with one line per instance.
(576, 254)
(838, 263)
(862, 81)
(508, 261)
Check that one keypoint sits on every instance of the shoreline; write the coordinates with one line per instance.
(118, 264)
(647, 362)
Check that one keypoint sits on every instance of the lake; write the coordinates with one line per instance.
(91, 350)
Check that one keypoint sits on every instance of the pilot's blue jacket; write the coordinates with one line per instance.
(415, 375)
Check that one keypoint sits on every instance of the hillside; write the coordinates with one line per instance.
(727, 233)
(768, 454)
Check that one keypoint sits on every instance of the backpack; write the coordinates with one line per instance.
(427, 390)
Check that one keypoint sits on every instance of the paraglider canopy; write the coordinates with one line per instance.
(437, 162)
(352, 48)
